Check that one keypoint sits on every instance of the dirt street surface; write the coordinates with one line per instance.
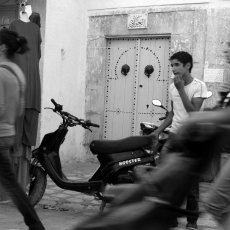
(61, 209)
(10, 219)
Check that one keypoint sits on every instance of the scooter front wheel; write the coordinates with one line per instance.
(37, 186)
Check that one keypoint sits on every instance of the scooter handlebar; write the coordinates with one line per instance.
(82, 122)
(70, 116)
(54, 102)
(88, 122)
(58, 107)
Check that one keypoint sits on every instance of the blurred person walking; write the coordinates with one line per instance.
(217, 202)
(12, 92)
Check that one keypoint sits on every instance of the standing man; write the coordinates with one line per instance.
(186, 95)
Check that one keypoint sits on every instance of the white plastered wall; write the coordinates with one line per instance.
(64, 68)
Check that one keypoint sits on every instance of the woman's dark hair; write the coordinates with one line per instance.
(13, 42)
(183, 57)
(35, 18)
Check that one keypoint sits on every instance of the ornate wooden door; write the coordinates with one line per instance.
(137, 72)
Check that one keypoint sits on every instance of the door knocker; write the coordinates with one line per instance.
(149, 70)
(125, 69)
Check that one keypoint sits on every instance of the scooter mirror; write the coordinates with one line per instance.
(156, 102)
(209, 94)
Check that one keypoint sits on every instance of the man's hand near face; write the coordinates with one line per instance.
(178, 82)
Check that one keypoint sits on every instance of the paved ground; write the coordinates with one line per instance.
(61, 209)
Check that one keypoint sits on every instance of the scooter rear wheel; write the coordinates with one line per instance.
(37, 186)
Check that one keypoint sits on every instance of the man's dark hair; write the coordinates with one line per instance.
(183, 57)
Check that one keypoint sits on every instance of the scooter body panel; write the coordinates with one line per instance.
(113, 164)
(106, 159)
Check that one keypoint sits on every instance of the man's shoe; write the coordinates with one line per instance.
(192, 226)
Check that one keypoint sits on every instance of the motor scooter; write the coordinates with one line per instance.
(117, 158)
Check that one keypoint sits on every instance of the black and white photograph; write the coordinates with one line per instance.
(115, 114)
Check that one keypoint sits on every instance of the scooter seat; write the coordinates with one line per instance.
(121, 145)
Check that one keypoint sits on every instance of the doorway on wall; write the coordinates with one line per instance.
(137, 72)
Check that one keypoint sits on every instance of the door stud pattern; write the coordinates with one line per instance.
(137, 71)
